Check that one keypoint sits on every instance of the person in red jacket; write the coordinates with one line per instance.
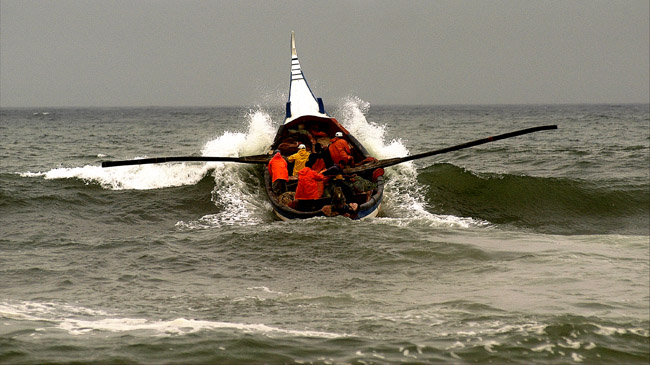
(308, 183)
(279, 173)
(340, 150)
(317, 157)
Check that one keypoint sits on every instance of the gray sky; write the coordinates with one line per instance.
(236, 53)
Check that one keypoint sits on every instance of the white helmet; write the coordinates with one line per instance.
(301, 147)
(338, 134)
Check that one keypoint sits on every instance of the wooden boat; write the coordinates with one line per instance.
(307, 123)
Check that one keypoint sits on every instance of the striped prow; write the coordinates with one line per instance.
(301, 99)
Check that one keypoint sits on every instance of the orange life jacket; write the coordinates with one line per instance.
(340, 150)
(278, 168)
(308, 184)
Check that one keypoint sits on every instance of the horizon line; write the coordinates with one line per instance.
(281, 107)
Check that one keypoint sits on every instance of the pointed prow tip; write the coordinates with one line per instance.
(293, 45)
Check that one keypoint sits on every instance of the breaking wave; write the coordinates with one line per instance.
(80, 321)
(547, 204)
(145, 177)
(405, 197)
(238, 192)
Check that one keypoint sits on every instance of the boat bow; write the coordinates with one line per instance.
(301, 99)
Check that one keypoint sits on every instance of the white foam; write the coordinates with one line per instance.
(609, 331)
(265, 290)
(576, 357)
(79, 321)
(489, 346)
(238, 192)
(255, 140)
(456, 345)
(17, 312)
(35, 311)
(404, 197)
(30, 174)
(402, 193)
(143, 177)
(570, 344)
(547, 347)
(240, 198)
(178, 326)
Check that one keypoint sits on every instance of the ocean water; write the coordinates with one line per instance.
(529, 250)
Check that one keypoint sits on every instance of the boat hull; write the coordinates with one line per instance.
(368, 209)
(367, 214)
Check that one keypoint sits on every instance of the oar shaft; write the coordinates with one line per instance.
(264, 159)
(398, 160)
(258, 159)
(480, 141)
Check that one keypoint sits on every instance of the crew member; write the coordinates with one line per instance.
(308, 183)
(279, 173)
(299, 159)
(318, 158)
(340, 150)
(340, 205)
(315, 162)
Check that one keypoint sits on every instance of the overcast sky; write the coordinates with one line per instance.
(237, 53)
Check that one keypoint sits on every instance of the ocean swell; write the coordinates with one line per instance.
(547, 204)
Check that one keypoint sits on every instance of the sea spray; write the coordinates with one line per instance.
(404, 197)
(157, 176)
(78, 321)
(254, 141)
(238, 192)
(142, 177)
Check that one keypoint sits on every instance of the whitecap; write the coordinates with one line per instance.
(77, 320)
(178, 326)
(30, 174)
(576, 357)
(155, 176)
(547, 347)
(265, 290)
(489, 346)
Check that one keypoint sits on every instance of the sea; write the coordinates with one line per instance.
(529, 250)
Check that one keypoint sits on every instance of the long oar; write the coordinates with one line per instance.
(258, 159)
(398, 160)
